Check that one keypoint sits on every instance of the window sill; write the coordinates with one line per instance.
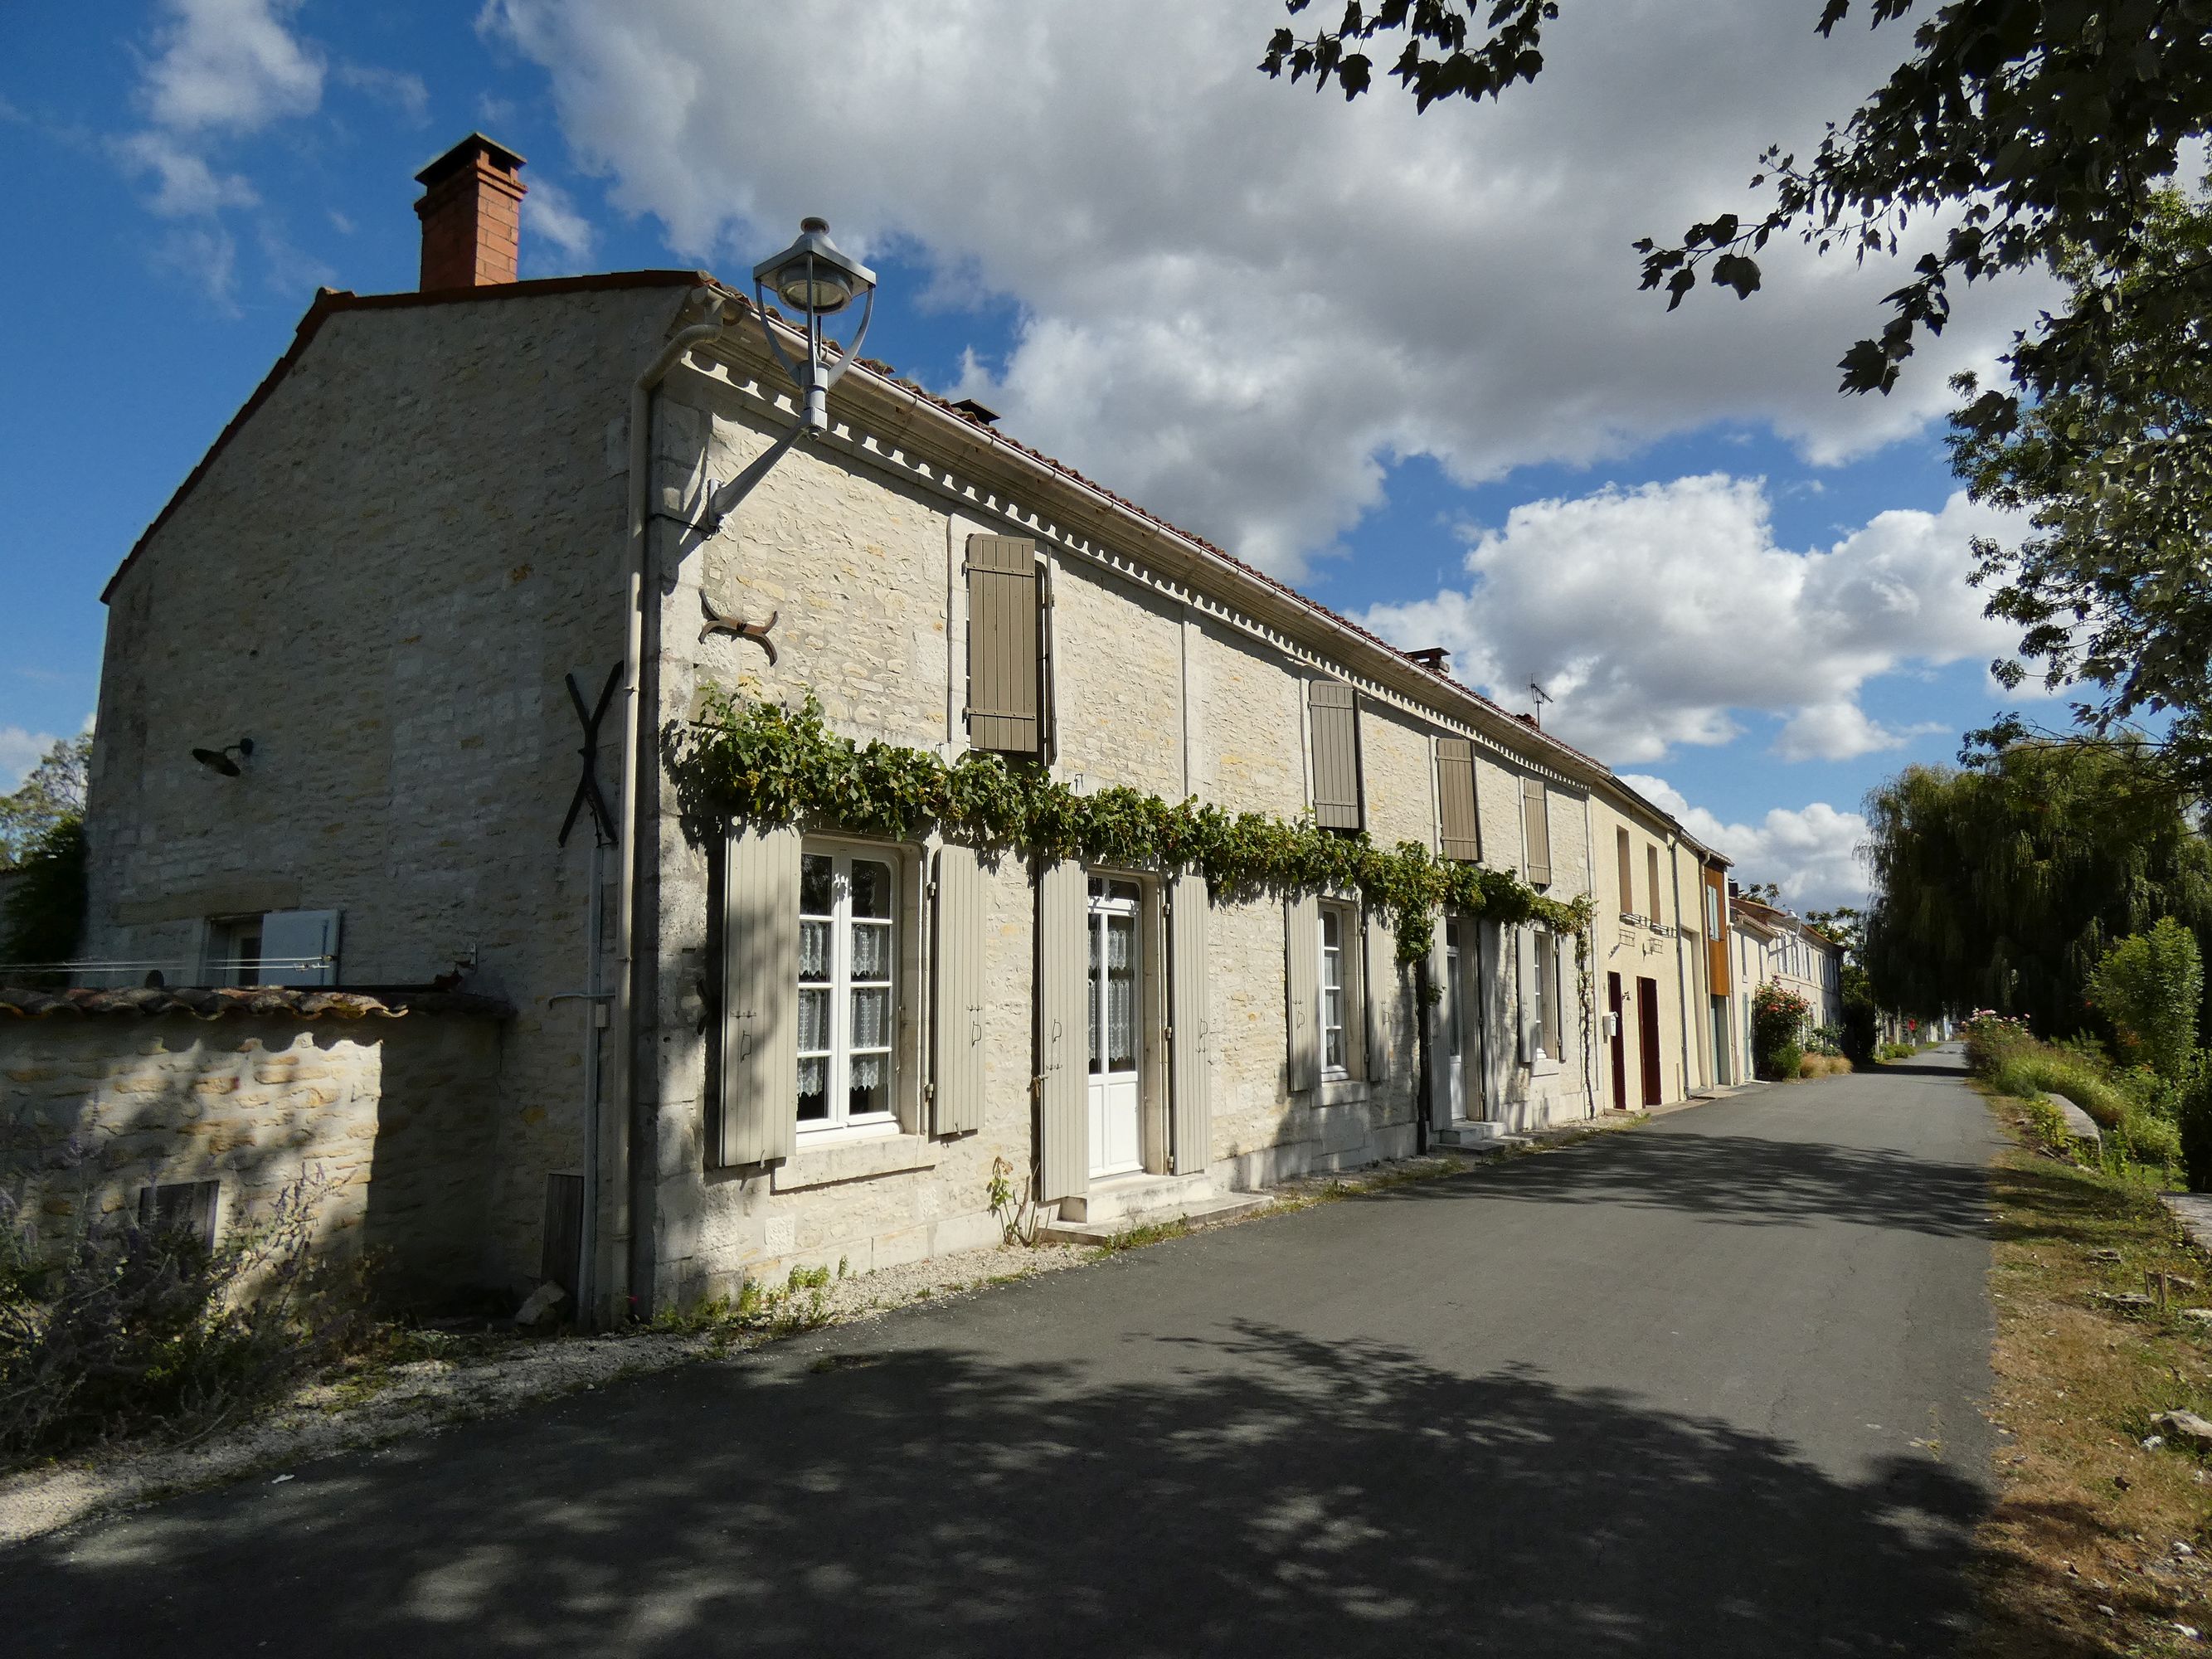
(1544, 1066)
(860, 1159)
(1342, 1092)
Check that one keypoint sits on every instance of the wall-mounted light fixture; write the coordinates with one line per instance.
(219, 760)
(816, 279)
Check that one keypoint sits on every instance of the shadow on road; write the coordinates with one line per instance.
(1256, 1493)
(1740, 1178)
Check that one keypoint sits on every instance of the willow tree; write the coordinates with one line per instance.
(2002, 883)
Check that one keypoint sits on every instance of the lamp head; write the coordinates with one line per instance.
(219, 760)
(812, 277)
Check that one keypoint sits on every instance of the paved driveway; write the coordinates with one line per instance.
(1708, 1388)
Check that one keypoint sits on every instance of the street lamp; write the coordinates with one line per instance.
(814, 279)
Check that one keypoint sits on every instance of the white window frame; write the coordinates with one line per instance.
(1551, 1029)
(841, 1122)
(1344, 958)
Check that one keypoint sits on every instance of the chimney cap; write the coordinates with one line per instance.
(467, 150)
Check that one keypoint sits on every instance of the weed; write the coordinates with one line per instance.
(1152, 1232)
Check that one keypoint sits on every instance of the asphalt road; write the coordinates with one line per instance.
(1708, 1388)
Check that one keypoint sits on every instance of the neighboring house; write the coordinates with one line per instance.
(1799, 957)
(1654, 970)
(415, 556)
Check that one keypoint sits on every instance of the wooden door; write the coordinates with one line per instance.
(1647, 1037)
(1613, 1002)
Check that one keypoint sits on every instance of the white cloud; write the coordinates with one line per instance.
(230, 65)
(1240, 301)
(185, 184)
(206, 255)
(19, 750)
(403, 91)
(547, 212)
(1655, 615)
(1811, 853)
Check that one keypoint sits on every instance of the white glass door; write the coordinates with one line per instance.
(1117, 1142)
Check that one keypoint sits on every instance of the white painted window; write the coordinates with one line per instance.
(848, 1007)
(1340, 987)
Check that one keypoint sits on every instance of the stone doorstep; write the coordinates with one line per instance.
(1219, 1206)
(1477, 1139)
(1116, 1198)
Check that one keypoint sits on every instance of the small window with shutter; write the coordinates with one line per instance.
(1459, 823)
(1334, 709)
(1536, 830)
(1007, 706)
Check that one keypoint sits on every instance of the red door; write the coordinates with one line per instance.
(1647, 1036)
(1615, 1005)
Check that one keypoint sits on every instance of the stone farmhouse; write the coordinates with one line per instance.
(449, 574)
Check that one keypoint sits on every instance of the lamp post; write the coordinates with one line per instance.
(815, 280)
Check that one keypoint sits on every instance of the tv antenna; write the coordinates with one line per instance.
(1542, 697)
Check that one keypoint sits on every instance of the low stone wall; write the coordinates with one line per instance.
(388, 1110)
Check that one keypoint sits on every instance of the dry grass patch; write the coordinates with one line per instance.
(2096, 1545)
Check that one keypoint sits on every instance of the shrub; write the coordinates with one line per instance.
(1861, 1027)
(2149, 986)
(129, 1330)
(2150, 1139)
(1776, 1017)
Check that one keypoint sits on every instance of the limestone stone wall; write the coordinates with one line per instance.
(382, 579)
(860, 561)
(391, 1120)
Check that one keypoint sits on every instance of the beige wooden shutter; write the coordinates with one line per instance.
(1336, 720)
(759, 1094)
(1526, 1014)
(957, 1018)
(1369, 1057)
(1462, 825)
(1536, 830)
(1302, 989)
(1063, 1033)
(1188, 1043)
(1004, 710)
(1435, 1017)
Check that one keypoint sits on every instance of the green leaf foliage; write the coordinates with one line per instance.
(2150, 986)
(767, 764)
(2112, 472)
(53, 794)
(2001, 884)
(42, 900)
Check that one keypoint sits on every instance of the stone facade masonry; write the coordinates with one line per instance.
(391, 1121)
(382, 579)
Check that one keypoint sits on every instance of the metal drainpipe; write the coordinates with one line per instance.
(1681, 971)
(637, 737)
(1589, 1003)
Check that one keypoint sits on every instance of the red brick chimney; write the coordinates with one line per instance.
(471, 212)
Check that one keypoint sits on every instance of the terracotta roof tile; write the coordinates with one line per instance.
(249, 1002)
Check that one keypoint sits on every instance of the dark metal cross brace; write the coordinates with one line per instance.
(588, 786)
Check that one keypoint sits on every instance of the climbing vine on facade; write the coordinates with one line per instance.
(766, 763)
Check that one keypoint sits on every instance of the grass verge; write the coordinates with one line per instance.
(2096, 1545)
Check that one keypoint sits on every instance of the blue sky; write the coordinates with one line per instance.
(1401, 363)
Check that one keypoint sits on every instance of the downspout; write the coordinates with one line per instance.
(1588, 942)
(1681, 976)
(618, 1296)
